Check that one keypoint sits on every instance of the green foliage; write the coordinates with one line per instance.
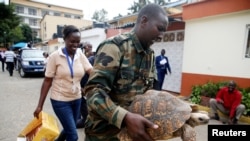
(136, 6)
(9, 21)
(246, 99)
(117, 17)
(100, 16)
(16, 34)
(10, 26)
(196, 94)
(27, 33)
(210, 89)
(161, 2)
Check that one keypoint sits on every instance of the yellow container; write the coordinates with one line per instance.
(43, 129)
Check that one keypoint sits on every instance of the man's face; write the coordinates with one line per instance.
(163, 52)
(231, 88)
(154, 29)
(88, 48)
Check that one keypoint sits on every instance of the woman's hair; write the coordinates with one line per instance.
(69, 29)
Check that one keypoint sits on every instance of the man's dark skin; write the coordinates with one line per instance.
(231, 88)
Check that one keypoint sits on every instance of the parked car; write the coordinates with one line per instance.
(30, 61)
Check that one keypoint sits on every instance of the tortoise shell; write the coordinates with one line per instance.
(164, 109)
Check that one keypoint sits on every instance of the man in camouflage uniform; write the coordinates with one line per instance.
(124, 67)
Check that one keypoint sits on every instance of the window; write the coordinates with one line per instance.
(67, 15)
(44, 13)
(19, 9)
(34, 33)
(33, 22)
(57, 14)
(77, 17)
(247, 53)
(32, 11)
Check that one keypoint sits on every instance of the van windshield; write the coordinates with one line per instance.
(32, 54)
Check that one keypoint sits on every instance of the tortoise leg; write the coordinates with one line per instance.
(188, 133)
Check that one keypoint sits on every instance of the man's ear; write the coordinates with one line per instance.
(144, 20)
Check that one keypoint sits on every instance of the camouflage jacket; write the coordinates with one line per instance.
(122, 69)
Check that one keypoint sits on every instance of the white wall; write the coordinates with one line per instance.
(216, 45)
(95, 36)
(174, 52)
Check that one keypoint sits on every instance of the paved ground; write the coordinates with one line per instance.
(18, 100)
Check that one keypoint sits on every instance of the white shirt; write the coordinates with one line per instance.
(2, 54)
(10, 55)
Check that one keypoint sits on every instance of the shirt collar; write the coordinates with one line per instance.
(77, 54)
(137, 43)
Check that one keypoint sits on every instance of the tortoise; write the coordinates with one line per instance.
(174, 116)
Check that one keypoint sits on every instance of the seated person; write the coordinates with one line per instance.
(228, 101)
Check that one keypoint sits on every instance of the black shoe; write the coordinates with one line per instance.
(235, 121)
(215, 117)
(61, 137)
(80, 124)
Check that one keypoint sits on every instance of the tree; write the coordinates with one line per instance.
(134, 8)
(138, 5)
(9, 22)
(100, 16)
(27, 33)
(16, 35)
(119, 16)
(160, 2)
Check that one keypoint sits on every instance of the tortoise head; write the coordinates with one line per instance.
(198, 118)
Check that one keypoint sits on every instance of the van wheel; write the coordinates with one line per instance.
(22, 73)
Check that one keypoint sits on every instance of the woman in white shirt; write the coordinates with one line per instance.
(63, 74)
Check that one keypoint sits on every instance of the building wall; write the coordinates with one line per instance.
(49, 25)
(217, 39)
(174, 51)
(50, 19)
(214, 48)
(123, 20)
(94, 36)
(112, 32)
(48, 7)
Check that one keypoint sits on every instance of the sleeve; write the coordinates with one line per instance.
(157, 62)
(85, 62)
(168, 66)
(219, 95)
(51, 66)
(237, 102)
(107, 62)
